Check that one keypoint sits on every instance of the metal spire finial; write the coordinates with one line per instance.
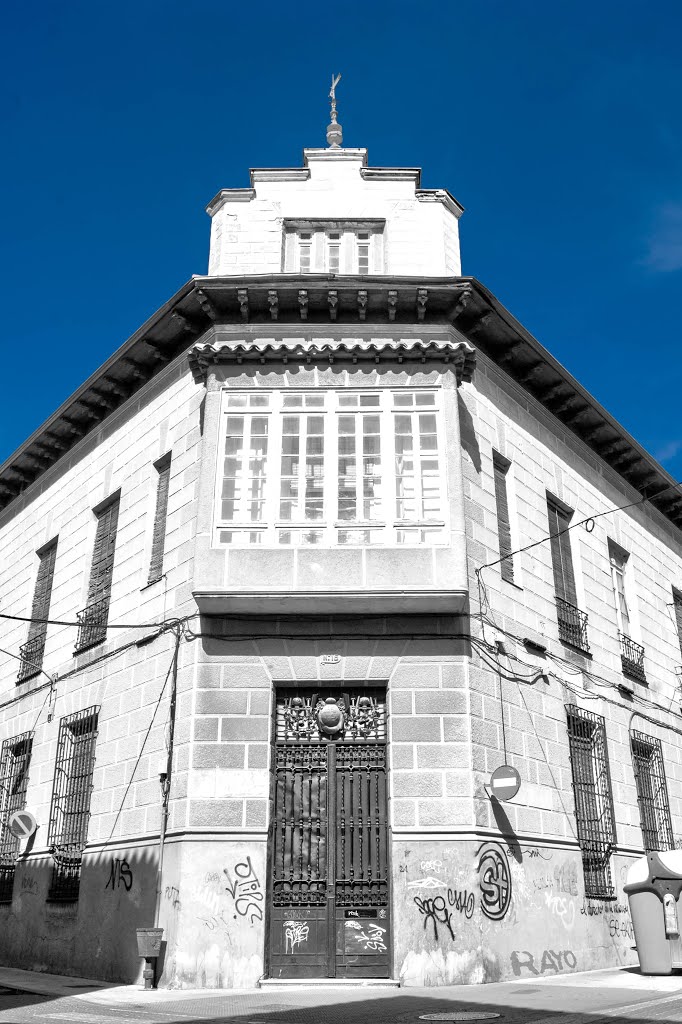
(334, 131)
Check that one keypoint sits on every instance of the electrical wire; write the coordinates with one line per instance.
(110, 625)
(573, 526)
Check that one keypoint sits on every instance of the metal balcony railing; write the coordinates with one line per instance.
(632, 658)
(31, 654)
(92, 628)
(572, 625)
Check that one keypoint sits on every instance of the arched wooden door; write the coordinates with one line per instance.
(329, 908)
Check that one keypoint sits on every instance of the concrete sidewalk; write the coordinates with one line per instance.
(567, 997)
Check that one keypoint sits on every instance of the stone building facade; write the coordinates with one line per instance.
(325, 543)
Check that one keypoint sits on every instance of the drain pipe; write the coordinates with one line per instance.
(165, 776)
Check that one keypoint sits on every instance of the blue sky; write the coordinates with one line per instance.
(556, 125)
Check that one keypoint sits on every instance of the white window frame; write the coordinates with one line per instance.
(621, 572)
(352, 234)
(387, 527)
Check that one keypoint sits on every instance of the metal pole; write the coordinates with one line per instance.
(165, 777)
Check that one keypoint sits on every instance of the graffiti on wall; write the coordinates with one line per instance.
(435, 910)
(246, 891)
(372, 940)
(551, 960)
(120, 874)
(494, 879)
(295, 932)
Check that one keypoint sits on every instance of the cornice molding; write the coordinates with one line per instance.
(230, 195)
(459, 354)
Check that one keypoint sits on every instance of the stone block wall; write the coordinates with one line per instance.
(544, 456)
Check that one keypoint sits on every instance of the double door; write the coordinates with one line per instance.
(329, 907)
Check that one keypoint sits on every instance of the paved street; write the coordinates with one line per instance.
(599, 997)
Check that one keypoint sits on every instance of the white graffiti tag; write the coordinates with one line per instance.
(295, 933)
(426, 883)
(564, 909)
(431, 865)
(373, 941)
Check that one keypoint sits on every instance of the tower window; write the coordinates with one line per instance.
(334, 247)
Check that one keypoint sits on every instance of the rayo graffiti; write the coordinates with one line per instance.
(551, 960)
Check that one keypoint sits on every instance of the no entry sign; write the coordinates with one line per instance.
(22, 824)
(505, 782)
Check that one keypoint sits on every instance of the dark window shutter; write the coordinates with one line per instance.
(560, 545)
(102, 569)
(500, 468)
(43, 591)
(159, 536)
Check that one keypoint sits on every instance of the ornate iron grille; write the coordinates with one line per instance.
(572, 625)
(632, 658)
(652, 792)
(70, 807)
(31, 658)
(92, 629)
(361, 837)
(330, 763)
(300, 855)
(593, 799)
(15, 758)
(345, 719)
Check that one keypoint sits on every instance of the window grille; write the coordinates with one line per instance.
(593, 799)
(160, 513)
(94, 617)
(70, 807)
(652, 792)
(500, 470)
(15, 757)
(632, 658)
(572, 625)
(32, 651)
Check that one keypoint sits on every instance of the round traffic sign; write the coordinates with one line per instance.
(505, 782)
(22, 824)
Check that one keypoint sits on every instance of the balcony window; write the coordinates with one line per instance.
(571, 620)
(328, 468)
(94, 617)
(32, 651)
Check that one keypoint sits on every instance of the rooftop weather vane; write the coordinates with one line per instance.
(334, 131)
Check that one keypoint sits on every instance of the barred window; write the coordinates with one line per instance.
(593, 799)
(652, 792)
(70, 807)
(15, 757)
(500, 470)
(160, 514)
(32, 651)
(93, 619)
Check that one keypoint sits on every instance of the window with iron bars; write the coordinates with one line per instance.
(652, 792)
(15, 757)
(70, 807)
(593, 799)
